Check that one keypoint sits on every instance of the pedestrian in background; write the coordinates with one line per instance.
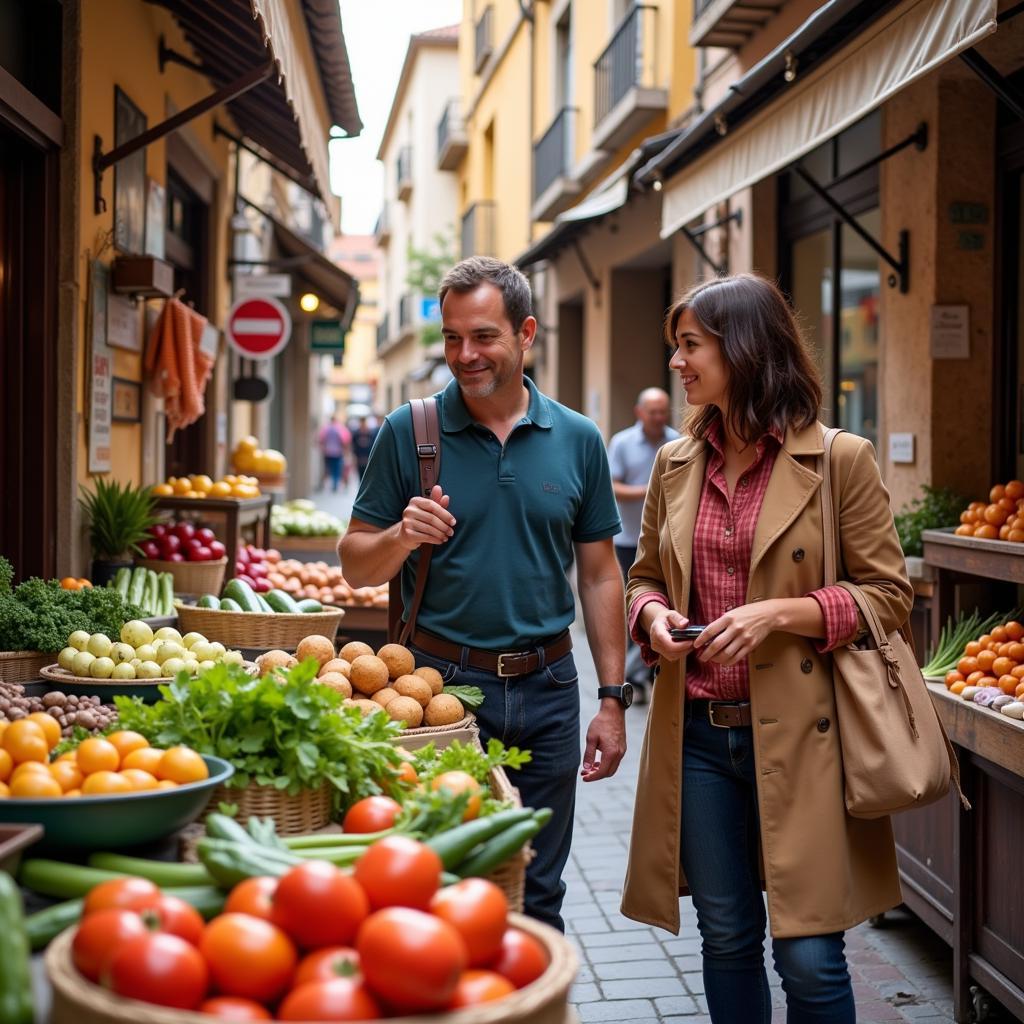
(742, 765)
(335, 442)
(524, 489)
(631, 454)
(362, 443)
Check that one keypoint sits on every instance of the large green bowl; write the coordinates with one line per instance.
(112, 822)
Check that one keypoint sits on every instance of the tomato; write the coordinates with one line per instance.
(49, 725)
(411, 960)
(318, 905)
(325, 964)
(254, 896)
(145, 758)
(232, 1008)
(522, 958)
(248, 956)
(337, 999)
(35, 786)
(478, 911)
(460, 782)
(99, 936)
(67, 774)
(372, 814)
(105, 783)
(477, 987)
(125, 741)
(182, 765)
(399, 872)
(97, 755)
(123, 894)
(158, 968)
(176, 917)
(25, 741)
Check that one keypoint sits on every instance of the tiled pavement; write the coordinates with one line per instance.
(631, 972)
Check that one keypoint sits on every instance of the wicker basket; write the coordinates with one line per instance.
(22, 666)
(307, 811)
(56, 674)
(191, 577)
(466, 731)
(258, 630)
(545, 1001)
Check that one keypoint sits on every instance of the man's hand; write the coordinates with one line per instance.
(606, 736)
(733, 636)
(426, 520)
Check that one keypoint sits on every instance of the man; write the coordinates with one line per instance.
(524, 486)
(631, 455)
(362, 443)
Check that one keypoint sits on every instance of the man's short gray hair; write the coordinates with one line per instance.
(509, 280)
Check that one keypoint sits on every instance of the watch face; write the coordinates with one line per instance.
(627, 694)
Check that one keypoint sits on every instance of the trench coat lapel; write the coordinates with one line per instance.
(681, 486)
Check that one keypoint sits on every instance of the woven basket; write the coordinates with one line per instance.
(545, 1001)
(307, 811)
(466, 730)
(22, 666)
(191, 577)
(258, 630)
(56, 674)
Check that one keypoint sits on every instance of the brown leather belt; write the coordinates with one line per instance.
(500, 663)
(724, 714)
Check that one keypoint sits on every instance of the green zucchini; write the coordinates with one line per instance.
(121, 581)
(492, 854)
(59, 880)
(263, 605)
(166, 594)
(456, 844)
(208, 601)
(137, 586)
(160, 872)
(220, 826)
(228, 604)
(308, 605)
(281, 602)
(240, 591)
(15, 958)
(232, 862)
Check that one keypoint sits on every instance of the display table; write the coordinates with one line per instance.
(363, 622)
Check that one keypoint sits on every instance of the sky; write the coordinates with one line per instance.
(377, 36)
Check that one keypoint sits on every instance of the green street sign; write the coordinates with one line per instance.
(326, 336)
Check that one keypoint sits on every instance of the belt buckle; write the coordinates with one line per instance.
(711, 715)
(502, 674)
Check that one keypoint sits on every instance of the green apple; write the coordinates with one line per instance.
(191, 664)
(79, 640)
(172, 666)
(232, 658)
(168, 633)
(203, 650)
(121, 652)
(169, 650)
(81, 662)
(147, 652)
(123, 671)
(136, 633)
(189, 640)
(66, 656)
(101, 668)
(99, 645)
(148, 670)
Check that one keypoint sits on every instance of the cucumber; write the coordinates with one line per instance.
(309, 605)
(456, 844)
(166, 594)
(240, 591)
(137, 586)
(208, 601)
(264, 606)
(15, 959)
(161, 872)
(281, 602)
(61, 881)
(121, 581)
(227, 605)
(495, 851)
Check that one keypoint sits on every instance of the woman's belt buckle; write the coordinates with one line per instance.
(728, 714)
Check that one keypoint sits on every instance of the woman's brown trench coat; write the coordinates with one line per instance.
(824, 871)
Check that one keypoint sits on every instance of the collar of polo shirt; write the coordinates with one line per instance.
(455, 416)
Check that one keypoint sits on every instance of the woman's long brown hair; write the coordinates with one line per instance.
(773, 382)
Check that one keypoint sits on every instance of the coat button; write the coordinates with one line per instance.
(798, 555)
(806, 666)
(823, 724)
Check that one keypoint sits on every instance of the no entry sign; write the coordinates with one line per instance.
(258, 327)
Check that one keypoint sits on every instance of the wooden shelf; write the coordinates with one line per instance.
(971, 556)
(994, 736)
(235, 513)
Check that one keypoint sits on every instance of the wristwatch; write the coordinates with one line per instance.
(623, 694)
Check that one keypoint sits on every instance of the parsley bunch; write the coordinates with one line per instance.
(284, 730)
(468, 757)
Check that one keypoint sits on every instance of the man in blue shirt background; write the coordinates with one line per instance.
(524, 491)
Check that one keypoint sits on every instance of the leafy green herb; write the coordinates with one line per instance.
(283, 730)
(935, 509)
(468, 757)
(471, 696)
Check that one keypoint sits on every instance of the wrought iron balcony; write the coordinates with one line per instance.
(452, 141)
(383, 331)
(554, 188)
(478, 229)
(403, 172)
(484, 38)
(730, 23)
(627, 91)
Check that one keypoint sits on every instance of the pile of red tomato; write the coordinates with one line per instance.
(181, 542)
(317, 944)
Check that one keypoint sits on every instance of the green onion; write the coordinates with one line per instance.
(955, 636)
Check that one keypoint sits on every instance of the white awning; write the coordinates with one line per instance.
(912, 40)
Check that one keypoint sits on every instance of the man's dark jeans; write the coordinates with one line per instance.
(539, 712)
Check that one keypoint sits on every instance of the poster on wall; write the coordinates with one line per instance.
(129, 178)
(100, 369)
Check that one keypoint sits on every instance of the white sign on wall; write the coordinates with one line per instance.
(951, 332)
(901, 448)
(278, 286)
(101, 369)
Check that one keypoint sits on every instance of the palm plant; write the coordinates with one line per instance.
(119, 518)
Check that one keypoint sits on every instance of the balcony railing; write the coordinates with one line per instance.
(478, 229)
(403, 172)
(484, 38)
(553, 154)
(627, 61)
(383, 331)
(406, 310)
(451, 137)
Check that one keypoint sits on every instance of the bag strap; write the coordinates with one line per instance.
(829, 524)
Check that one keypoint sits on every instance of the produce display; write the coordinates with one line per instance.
(87, 713)
(153, 592)
(73, 583)
(301, 518)
(182, 542)
(322, 582)
(39, 615)
(253, 564)
(239, 595)
(1001, 518)
(249, 457)
(122, 762)
(990, 669)
(142, 654)
(198, 485)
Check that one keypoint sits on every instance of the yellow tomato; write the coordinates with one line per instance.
(182, 764)
(105, 782)
(6, 765)
(49, 725)
(97, 755)
(162, 490)
(35, 785)
(138, 779)
(166, 784)
(145, 758)
(68, 775)
(231, 480)
(221, 489)
(5, 790)
(25, 741)
(202, 483)
(126, 741)
(182, 487)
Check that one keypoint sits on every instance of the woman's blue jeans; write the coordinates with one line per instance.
(720, 857)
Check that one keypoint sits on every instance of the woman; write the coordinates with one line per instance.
(741, 769)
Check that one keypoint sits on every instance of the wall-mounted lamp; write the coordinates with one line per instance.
(657, 184)
(789, 74)
(309, 302)
(721, 125)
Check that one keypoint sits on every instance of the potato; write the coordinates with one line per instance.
(433, 677)
(336, 665)
(336, 681)
(405, 709)
(270, 660)
(353, 649)
(416, 687)
(444, 709)
(366, 706)
(385, 696)
(368, 674)
(315, 646)
(398, 659)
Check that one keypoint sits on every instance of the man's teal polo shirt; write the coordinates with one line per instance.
(500, 582)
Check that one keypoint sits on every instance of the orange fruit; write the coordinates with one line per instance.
(1020, 688)
(964, 530)
(5, 790)
(1001, 667)
(957, 688)
(126, 741)
(72, 792)
(30, 766)
(166, 784)
(996, 515)
(182, 486)
(986, 532)
(25, 741)
(1014, 630)
(965, 666)
(98, 755)
(182, 765)
(162, 490)
(1008, 684)
(1003, 650)
(49, 725)
(1018, 671)
(69, 755)
(988, 681)
(146, 759)
(1015, 536)
(997, 492)
(974, 679)
(220, 489)
(105, 782)
(1014, 489)
(35, 784)
(6, 765)
(68, 775)
(973, 649)
(138, 779)
(1004, 532)
(999, 634)
(985, 659)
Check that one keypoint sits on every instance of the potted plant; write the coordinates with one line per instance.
(934, 509)
(118, 520)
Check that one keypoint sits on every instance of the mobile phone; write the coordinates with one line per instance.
(690, 632)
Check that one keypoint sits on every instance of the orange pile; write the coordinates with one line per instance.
(122, 762)
(199, 485)
(1001, 519)
(995, 659)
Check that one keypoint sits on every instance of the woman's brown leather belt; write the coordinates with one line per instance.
(500, 663)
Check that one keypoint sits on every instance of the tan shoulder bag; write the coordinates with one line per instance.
(896, 754)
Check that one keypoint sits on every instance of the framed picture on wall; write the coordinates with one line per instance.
(129, 178)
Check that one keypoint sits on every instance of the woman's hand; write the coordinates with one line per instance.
(732, 637)
(657, 629)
